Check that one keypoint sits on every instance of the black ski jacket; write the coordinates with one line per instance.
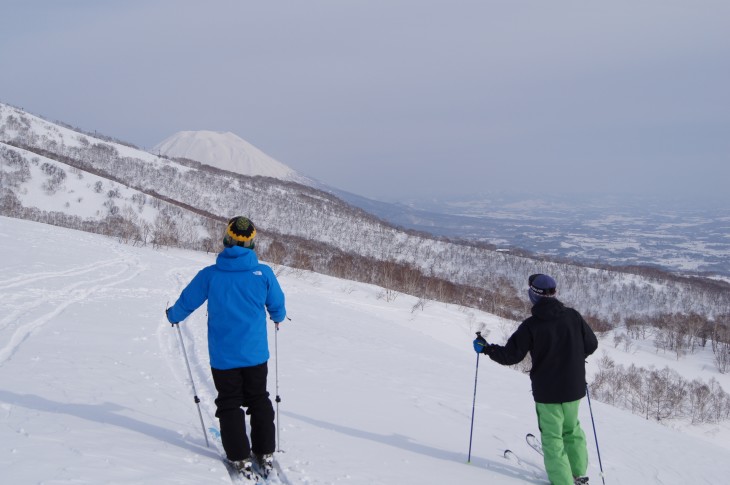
(559, 340)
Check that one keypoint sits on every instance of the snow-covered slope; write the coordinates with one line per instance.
(95, 388)
(199, 197)
(225, 151)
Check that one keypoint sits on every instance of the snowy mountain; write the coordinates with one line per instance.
(225, 151)
(51, 173)
(95, 387)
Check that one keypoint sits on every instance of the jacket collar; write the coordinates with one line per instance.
(547, 308)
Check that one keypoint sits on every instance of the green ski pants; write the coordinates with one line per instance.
(563, 441)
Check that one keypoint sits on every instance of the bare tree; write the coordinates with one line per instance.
(721, 345)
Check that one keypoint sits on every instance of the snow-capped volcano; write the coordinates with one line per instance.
(226, 151)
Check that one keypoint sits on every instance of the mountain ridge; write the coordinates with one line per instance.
(302, 226)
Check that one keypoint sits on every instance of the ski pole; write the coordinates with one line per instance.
(276, 372)
(600, 465)
(190, 373)
(473, 404)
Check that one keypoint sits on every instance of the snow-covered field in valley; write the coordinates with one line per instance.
(94, 387)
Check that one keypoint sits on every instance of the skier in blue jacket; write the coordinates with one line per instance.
(239, 291)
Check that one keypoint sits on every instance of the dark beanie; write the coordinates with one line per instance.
(239, 232)
(541, 285)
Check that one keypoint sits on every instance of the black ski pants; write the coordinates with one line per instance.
(244, 387)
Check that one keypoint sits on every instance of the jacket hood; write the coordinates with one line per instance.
(547, 308)
(236, 258)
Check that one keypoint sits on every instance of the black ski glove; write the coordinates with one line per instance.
(489, 349)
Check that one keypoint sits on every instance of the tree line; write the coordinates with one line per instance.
(660, 394)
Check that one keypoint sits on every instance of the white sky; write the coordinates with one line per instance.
(400, 97)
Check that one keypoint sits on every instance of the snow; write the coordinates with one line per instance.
(95, 387)
(76, 195)
(54, 132)
(225, 151)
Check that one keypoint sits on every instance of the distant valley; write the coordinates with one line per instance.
(686, 237)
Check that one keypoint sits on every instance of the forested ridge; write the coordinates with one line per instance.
(123, 192)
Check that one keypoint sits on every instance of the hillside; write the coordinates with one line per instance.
(54, 174)
(95, 388)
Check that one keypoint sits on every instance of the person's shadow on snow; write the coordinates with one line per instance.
(502, 466)
(106, 414)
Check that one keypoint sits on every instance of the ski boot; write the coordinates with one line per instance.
(245, 468)
(265, 463)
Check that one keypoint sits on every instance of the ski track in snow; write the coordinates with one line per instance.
(26, 279)
(103, 275)
(172, 349)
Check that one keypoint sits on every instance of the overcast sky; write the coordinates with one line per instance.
(397, 98)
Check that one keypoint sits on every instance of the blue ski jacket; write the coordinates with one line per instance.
(239, 291)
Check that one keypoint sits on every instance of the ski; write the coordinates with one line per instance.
(237, 475)
(269, 475)
(512, 456)
(534, 443)
(264, 470)
(531, 469)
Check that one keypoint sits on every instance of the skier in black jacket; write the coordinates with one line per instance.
(558, 340)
